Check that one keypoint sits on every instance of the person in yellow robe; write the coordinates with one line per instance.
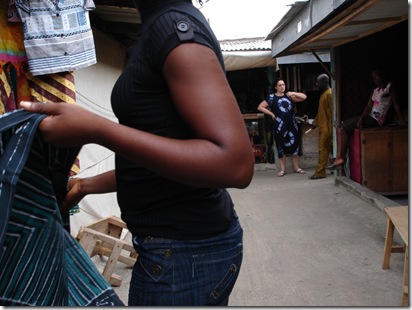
(323, 121)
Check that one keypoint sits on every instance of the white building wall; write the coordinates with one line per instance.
(93, 89)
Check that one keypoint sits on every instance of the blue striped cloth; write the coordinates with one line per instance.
(41, 264)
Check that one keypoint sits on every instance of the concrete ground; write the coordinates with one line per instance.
(310, 243)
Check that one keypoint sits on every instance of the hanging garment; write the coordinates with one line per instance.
(58, 87)
(16, 81)
(13, 62)
(41, 264)
(11, 38)
(57, 35)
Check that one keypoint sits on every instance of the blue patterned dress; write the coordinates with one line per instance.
(286, 131)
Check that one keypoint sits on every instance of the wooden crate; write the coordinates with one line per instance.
(103, 238)
(381, 163)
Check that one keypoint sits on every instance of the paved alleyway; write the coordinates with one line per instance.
(309, 243)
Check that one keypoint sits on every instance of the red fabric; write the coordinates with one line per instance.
(355, 157)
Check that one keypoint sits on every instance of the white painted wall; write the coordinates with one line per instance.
(93, 89)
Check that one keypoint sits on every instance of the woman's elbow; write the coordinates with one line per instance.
(242, 172)
(246, 178)
(301, 97)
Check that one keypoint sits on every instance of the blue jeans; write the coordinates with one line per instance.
(186, 272)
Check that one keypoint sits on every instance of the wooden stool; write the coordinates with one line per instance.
(398, 218)
(103, 238)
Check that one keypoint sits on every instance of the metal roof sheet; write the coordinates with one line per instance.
(251, 44)
(324, 24)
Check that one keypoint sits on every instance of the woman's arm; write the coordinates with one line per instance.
(78, 188)
(219, 156)
(222, 143)
(366, 111)
(296, 96)
(263, 107)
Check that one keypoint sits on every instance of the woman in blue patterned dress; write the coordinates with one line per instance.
(279, 105)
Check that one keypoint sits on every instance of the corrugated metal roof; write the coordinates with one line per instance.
(250, 44)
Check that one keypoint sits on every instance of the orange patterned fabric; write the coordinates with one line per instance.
(13, 63)
(11, 39)
(16, 82)
(58, 87)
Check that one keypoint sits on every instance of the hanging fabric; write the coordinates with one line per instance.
(41, 264)
(57, 35)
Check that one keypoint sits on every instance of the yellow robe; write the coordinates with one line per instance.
(323, 121)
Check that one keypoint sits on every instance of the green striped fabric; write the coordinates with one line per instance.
(41, 264)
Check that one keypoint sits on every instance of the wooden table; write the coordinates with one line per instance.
(398, 218)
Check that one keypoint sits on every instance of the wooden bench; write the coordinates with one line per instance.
(398, 218)
(103, 238)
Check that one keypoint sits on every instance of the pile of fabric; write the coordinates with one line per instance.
(41, 264)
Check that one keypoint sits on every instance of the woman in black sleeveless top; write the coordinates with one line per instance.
(179, 143)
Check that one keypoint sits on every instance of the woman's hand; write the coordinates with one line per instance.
(78, 188)
(73, 196)
(67, 125)
(263, 107)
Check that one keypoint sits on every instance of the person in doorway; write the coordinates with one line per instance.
(180, 141)
(323, 121)
(279, 105)
(374, 114)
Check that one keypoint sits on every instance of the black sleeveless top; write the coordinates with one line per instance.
(151, 204)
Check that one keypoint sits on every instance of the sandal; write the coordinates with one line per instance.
(300, 171)
(334, 167)
(281, 173)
